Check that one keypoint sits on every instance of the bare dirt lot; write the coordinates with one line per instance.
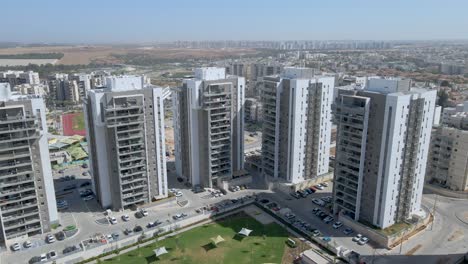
(103, 54)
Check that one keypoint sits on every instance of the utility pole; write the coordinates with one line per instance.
(433, 210)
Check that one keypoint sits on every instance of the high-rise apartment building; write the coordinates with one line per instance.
(382, 146)
(19, 77)
(209, 126)
(62, 88)
(27, 196)
(296, 125)
(125, 131)
(448, 158)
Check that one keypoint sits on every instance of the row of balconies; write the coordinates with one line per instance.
(17, 195)
(30, 229)
(12, 173)
(31, 202)
(15, 155)
(16, 181)
(23, 136)
(20, 214)
(21, 222)
(15, 164)
(21, 188)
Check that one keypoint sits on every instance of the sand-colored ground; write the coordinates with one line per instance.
(103, 54)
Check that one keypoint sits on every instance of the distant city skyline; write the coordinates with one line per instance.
(143, 21)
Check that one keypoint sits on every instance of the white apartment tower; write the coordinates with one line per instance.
(27, 196)
(296, 125)
(125, 131)
(209, 126)
(382, 145)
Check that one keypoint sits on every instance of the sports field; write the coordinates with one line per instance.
(266, 244)
(73, 124)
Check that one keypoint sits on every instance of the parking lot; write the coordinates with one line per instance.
(93, 226)
(305, 219)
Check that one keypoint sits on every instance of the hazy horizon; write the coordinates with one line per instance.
(145, 22)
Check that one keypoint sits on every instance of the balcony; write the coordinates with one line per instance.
(22, 206)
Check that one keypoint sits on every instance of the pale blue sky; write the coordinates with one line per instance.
(136, 21)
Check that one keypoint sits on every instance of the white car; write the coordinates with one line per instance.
(318, 202)
(319, 186)
(357, 237)
(363, 241)
(144, 212)
(15, 247)
(337, 225)
(112, 220)
(88, 198)
(43, 257)
(172, 190)
(27, 244)
(50, 239)
(178, 194)
(109, 237)
(125, 218)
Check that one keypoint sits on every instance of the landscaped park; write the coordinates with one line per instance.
(218, 242)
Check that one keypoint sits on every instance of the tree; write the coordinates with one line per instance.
(443, 98)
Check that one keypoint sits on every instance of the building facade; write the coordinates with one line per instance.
(381, 151)
(125, 131)
(27, 196)
(253, 110)
(209, 127)
(448, 159)
(296, 125)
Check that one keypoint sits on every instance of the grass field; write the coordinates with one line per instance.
(78, 122)
(266, 244)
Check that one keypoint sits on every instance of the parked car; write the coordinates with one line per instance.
(128, 231)
(144, 212)
(115, 235)
(137, 229)
(69, 249)
(319, 186)
(52, 254)
(178, 194)
(112, 220)
(312, 190)
(348, 231)
(363, 241)
(84, 184)
(125, 218)
(88, 198)
(357, 238)
(295, 195)
(50, 239)
(27, 244)
(326, 239)
(35, 259)
(60, 236)
(316, 233)
(43, 257)
(328, 219)
(318, 202)
(337, 225)
(324, 184)
(15, 247)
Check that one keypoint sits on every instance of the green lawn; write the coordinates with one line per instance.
(194, 246)
(78, 122)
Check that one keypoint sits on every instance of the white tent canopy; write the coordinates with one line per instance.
(160, 251)
(245, 232)
(217, 240)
